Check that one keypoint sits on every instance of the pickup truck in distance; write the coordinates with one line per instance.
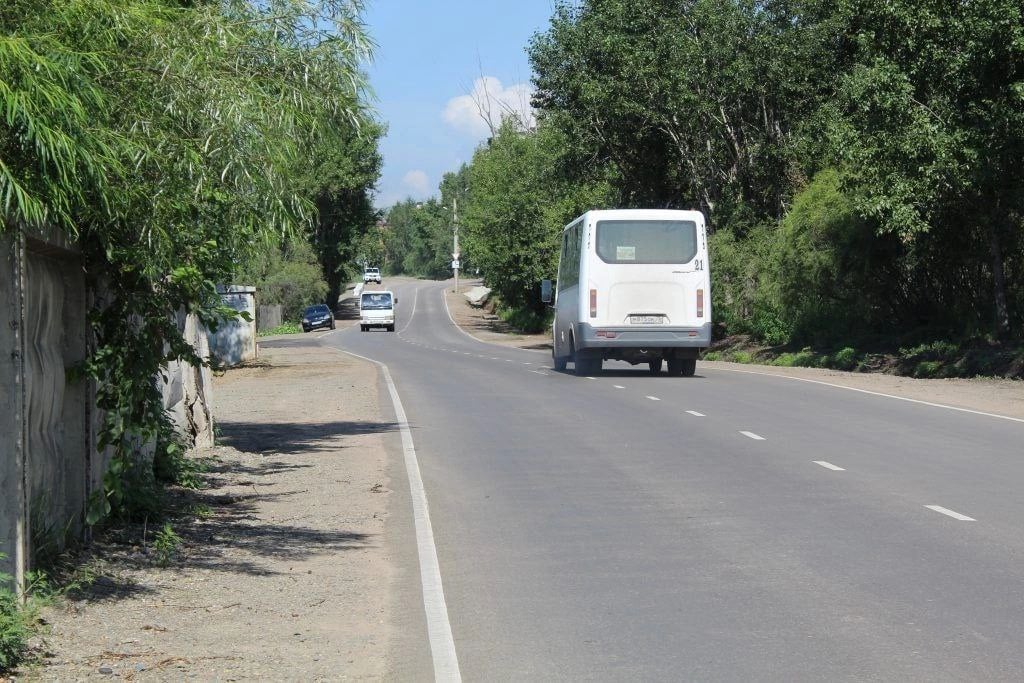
(371, 275)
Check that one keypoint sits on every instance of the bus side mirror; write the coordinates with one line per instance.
(546, 288)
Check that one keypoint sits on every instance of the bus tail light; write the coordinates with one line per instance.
(700, 303)
(593, 303)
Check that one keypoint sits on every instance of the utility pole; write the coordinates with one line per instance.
(455, 251)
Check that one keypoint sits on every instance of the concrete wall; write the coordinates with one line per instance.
(49, 464)
(234, 342)
(45, 463)
(268, 317)
(187, 390)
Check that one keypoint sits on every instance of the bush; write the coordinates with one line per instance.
(289, 275)
(13, 628)
(172, 466)
(526, 320)
(828, 264)
(283, 328)
(804, 358)
(845, 359)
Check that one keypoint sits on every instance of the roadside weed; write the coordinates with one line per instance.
(14, 630)
(166, 544)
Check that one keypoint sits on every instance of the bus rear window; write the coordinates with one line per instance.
(646, 241)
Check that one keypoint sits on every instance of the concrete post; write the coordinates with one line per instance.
(14, 532)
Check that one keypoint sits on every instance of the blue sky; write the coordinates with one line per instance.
(430, 57)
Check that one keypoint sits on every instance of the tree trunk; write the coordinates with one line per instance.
(999, 283)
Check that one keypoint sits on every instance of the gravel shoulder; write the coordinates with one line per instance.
(485, 326)
(999, 396)
(286, 568)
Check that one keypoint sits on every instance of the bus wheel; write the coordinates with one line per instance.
(655, 366)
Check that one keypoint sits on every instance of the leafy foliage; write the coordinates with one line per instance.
(164, 137)
(418, 240)
(289, 274)
(13, 628)
(516, 207)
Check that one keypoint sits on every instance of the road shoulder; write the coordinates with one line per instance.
(287, 571)
(483, 325)
(987, 395)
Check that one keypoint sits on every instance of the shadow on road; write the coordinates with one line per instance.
(634, 373)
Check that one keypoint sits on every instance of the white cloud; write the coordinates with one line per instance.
(417, 183)
(489, 101)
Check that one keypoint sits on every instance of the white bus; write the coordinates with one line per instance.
(632, 285)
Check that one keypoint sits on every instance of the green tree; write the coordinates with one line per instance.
(419, 236)
(931, 125)
(345, 167)
(515, 208)
(163, 137)
(288, 274)
(696, 103)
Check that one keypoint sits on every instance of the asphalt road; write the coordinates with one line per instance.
(723, 527)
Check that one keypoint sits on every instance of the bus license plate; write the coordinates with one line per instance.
(646, 319)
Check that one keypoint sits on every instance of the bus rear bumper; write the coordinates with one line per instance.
(634, 337)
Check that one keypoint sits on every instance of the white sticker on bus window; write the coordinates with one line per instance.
(625, 253)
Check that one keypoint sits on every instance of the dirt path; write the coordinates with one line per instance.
(285, 574)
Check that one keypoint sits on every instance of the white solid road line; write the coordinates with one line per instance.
(415, 297)
(695, 413)
(950, 513)
(439, 629)
(874, 393)
(752, 435)
(829, 466)
(654, 398)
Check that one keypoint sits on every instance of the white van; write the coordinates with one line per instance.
(377, 309)
(633, 285)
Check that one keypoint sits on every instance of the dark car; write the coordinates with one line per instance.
(317, 316)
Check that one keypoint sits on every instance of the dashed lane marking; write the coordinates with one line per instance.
(654, 398)
(829, 466)
(950, 513)
(695, 413)
(752, 435)
(618, 386)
